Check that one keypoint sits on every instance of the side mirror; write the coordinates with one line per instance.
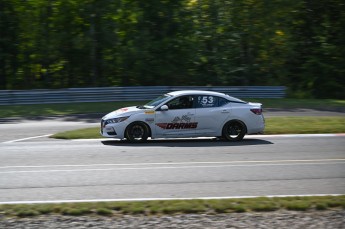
(164, 108)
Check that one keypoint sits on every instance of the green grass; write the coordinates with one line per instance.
(106, 107)
(160, 207)
(61, 109)
(274, 125)
(85, 133)
(305, 125)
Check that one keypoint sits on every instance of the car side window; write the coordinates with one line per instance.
(222, 101)
(182, 102)
(205, 101)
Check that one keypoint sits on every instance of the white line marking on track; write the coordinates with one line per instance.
(174, 163)
(171, 167)
(246, 137)
(29, 138)
(154, 199)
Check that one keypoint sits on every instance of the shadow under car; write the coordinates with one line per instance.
(190, 142)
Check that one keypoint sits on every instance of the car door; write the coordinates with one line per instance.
(211, 113)
(178, 120)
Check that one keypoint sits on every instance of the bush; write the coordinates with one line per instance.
(298, 206)
(321, 206)
(27, 213)
(75, 211)
(265, 207)
(104, 211)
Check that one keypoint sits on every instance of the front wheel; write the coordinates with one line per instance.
(234, 131)
(136, 132)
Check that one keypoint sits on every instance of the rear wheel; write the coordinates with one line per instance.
(234, 131)
(137, 132)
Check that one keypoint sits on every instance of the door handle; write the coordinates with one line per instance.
(225, 111)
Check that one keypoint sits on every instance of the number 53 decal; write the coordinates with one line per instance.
(205, 100)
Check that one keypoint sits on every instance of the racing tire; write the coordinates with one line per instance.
(234, 131)
(137, 132)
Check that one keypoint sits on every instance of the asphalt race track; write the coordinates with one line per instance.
(36, 168)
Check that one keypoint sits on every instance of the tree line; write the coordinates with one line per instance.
(88, 43)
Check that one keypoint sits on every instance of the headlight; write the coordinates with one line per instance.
(115, 120)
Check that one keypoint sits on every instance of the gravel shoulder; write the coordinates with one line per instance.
(281, 219)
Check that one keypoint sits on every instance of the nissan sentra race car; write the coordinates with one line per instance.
(184, 114)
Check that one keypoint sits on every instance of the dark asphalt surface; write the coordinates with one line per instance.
(34, 167)
(89, 170)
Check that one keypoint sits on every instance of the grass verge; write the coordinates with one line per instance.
(274, 125)
(161, 207)
(305, 125)
(106, 107)
(61, 109)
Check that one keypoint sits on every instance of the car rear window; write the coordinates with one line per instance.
(205, 101)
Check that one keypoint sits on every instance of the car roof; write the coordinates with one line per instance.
(193, 92)
(196, 92)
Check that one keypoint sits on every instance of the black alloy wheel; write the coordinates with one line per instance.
(137, 132)
(234, 131)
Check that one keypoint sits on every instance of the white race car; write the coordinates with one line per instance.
(184, 114)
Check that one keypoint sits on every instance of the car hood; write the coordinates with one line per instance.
(126, 111)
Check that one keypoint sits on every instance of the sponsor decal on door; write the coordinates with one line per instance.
(182, 122)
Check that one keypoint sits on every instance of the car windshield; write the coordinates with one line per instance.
(157, 101)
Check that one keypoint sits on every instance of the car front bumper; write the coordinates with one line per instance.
(114, 130)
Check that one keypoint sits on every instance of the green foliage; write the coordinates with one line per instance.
(321, 206)
(297, 206)
(27, 213)
(318, 48)
(104, 211)
(178, 206)
(74, 43)
(190, 207)
(311, 125)
(86, 133)
(75, 211)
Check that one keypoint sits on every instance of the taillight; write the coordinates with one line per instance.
(256, 111)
